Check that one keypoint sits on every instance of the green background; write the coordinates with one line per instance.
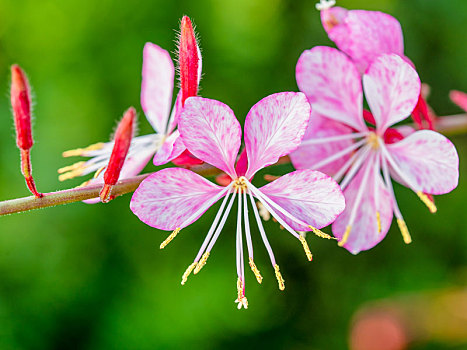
(92, 277)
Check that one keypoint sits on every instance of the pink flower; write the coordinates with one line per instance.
(304, 200)
(156, 99)
(340, 143)
(459, 98)
(365, 35)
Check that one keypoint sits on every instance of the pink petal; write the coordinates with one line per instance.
(157, 86)
(211, 132)
(274, 127)
(363, 35)
(168, 198)
(171, 148)
(177, 109)
(332, 84)
(459, 98)
(429, 160)
(364, 234)
(309, 195)
(306, 156)
(392, 88)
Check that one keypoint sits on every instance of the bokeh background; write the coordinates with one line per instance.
(92, 277)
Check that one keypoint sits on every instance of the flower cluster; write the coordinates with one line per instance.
(345, 156)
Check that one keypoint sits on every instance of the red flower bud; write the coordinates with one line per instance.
(20, 95)
(122, 142)
(189, 60)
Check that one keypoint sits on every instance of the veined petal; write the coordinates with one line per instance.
(173, 198)
(308, 195)
(364, 232)
(157, 86)
(363, 35)
(332, 84)
(392, 88)
(309, 154)
(211, 132)
(275, 127)
(171, 148)
(429, 160)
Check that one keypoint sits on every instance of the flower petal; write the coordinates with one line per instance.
(363, 35)
(309, 195)
(171, 148)
(459, 98)
(211, 132)
(429, 160)
(392, 88)
(364, 233)
(168, 198)
(274, 127)
(157, 86)
(332, 84)
(307, 155)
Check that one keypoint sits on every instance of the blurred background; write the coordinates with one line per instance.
(92, 276)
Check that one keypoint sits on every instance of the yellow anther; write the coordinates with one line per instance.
(255, 270)
(378, 221)
(280, 280)
(320, 233)
(426, 200)
(80, 151)
(170, 238)
(404, 231)
(201, 263)
(187, 272)
(345, 237)
(84, 184)
(306, 248)
(373, 140)
(263, 212)
(78, 165)
(71, 174)
(99, 171)
(241, 299)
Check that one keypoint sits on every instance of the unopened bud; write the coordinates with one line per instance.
(122, 142)
(20, 95)
(189, 60)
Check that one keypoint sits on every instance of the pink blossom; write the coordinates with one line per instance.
(157, 86)
(339, 142)
(459, 98)
(363, 36)
(304, 200)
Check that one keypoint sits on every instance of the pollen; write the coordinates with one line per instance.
(306, 248)
(99, 171)
(320, 233)
(170, 238)
(187, 273)
(255, 270)
(71, 171)
(81, 151)
(427, 201)
(404, 231)
(240, 184)
(378, 221)
(241, 299)
(345, 237)
(263, 212)
(201, 263)
(373, 140)
(280, 280)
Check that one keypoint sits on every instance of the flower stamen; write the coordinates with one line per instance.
(345, 237)
(378, 221)
(82, 151)
(404, 231)
(280, 280)
(255, 270)
(170, 238)
(320, 233)
(202, 262)
(241, 299)
(325, 4)
(426, 200)
(306, 248)
(187, 273)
